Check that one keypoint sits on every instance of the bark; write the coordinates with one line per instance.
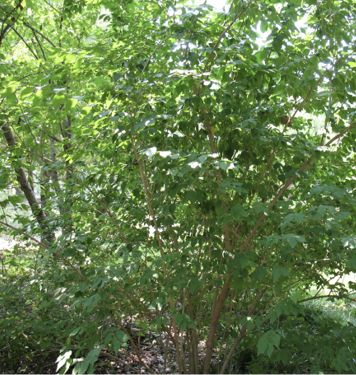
(26, 188)
(233, 348)
(67, 147)
(44, 187)
(30, 179)
(8, 21)
(54, 177)
(213, 325)
(193, 342)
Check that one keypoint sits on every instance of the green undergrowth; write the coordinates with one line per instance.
(37, 322)
(321, 340)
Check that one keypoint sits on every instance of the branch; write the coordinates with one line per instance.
(327, 296)
(52, 6)
(91, 191)
(44, 246)
(6, 28)
(40, 45)
(353, 125)
(27, 45)
(13, 10)
(39, 32)
(25, 186)
(229, 26)
(216, 45)
(311, 90)
(286, 186)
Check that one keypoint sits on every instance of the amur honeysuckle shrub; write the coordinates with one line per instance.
(162, 158)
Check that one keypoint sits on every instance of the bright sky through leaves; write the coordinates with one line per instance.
(218, 4)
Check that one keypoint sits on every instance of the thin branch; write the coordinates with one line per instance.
(27, 45)
(286, 186)
(66, 261)
(301, 105)
(40, 45)
(327, 296)
(262, 175)
(4, 28)
(52, 6)
(311, 91)
(90, 190)
(25, 234)
(103, 205)
(29, 75)
(353, 125)
(39, 32)
(216, 45)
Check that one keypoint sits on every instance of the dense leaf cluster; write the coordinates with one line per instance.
(166, 161)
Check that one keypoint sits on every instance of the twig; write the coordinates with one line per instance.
(24, 42)
(25, 234)
(44, 246)
(286, 186)
(40, 45)
(39, 32)
(327, 296)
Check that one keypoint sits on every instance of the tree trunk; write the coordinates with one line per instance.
(26, 188)
(55, 179)
(67, 146)
(192, 340)
(44, 181)
(214, 322)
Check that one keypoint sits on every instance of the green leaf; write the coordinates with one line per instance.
(26, 92)
(64, 360)
(267, 342)
(183, 321)
(190, 196)
(58, 100)
(91, 301)
(194, 283)
(248, 122)
(147, 121)
(349, 241)
(294, 218)
(278, 272)
(264, 25)
(292, 239)
(258, 274)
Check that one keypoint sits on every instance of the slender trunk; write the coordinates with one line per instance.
(214, 322)
(67, 135)
(54, 177)
(31, 179)
(44, 181)
(193, 341)
(67, 146)
(26, 188)
(233, 348)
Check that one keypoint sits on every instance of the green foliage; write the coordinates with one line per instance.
(162, 160)
(307, 343)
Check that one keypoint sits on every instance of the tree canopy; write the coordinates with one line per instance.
(165, 163)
